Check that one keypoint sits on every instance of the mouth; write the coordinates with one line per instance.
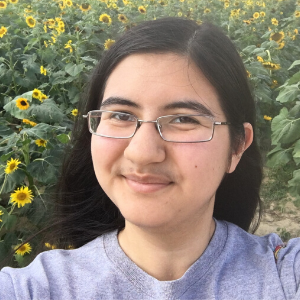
(147, 183)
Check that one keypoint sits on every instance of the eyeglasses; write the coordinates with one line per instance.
(180, 128)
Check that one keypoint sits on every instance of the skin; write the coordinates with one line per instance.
(164, 190)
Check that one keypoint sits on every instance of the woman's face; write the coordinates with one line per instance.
(156, 183)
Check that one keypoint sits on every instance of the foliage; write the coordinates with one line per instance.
(48, 47)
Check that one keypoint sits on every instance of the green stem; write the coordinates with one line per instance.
(5, 178)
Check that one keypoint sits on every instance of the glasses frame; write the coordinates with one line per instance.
(158, 126)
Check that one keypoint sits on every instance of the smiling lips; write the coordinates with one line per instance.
(146, 183)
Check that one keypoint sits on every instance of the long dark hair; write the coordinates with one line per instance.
(82, 210)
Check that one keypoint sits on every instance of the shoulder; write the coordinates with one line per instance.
(266, 258)
(54, 272)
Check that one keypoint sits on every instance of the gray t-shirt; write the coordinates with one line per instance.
(235, 265)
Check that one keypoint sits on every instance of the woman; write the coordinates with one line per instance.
(159, 198)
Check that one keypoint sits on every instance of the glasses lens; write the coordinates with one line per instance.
(186, 128)
(112, 124)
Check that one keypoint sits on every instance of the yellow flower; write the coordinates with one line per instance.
(281, 45)
(85, 7)
(26, 248)
(74, 112)
(248, 22)
(1, 213)
(271, 66)
(259, 58)
(142, 9)
(69, 3)
(179, 14)
(297, 13)
(207, 10)
(50, 23)
(3, 4)
(26, 121)
(30, 21)
(105, 18)
(274, 83)
(41, 142)
(53, 39)
(50, 246)
(122, 18)
(274, 21)
(21, 196)
(267, 118)
(125, 2)
(226, 4)
(36, 94)
(262, 14)
(108, 43)
(14, 1)
(43, 70)
(3, 31)
(68, 46)
(11, 166)
(256, 15)
(295, 31)
(43, 97)
(22, 103)
(248, 74)
(277, 36)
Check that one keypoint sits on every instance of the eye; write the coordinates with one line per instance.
(122, 117)
(184, 120)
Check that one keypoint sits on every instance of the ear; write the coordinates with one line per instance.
(235, 158)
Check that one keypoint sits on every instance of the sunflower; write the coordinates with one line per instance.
(26, 121)
(69, 3)
(22, 103)
(281, 45)
(262, 14)
(267, 118)
(3, 31)
(142, 9)
(297, 13)
(122, 18)
(30, 22)
(85, 7)
(43, 70)
(271, 66)
(1, 213)
(274, 21)
(108, 43)
(12, 165)
(14, 1)
(50, 246)
(74, 112)
(259, 58)
(226, 4)
(277, 36)
(105, 18)
(25, 248)
(21, 196)
(207, 10)
(296, 31)
(248, 74)
(3, 4)
(36, 94)
(43, 97)
(248, 22)
(256, 15)
(41, 142)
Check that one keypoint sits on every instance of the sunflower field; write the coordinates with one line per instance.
(47, 50)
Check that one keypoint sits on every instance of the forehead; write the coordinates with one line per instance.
(154, 81)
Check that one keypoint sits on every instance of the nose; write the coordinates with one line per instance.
(146, 146)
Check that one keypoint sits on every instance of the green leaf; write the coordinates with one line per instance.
(5, 131)
(279, 156)
(73, 69)
(6, 156)
(295, 63)
(46, 112)
(43, 131)
(63, 138)
(43, 171)
(10, 221)
(294, 79)
(288, 93)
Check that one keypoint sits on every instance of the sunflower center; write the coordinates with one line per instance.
(85, 6)
(23, 103)
(276, 37)
(21, 196)
(12, 166)
(31, 21)
(105, 19)
(1, 5)
(22, 248)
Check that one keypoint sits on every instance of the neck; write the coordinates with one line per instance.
(166, 254)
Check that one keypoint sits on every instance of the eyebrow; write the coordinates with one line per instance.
(188, 104)
(119, 101)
